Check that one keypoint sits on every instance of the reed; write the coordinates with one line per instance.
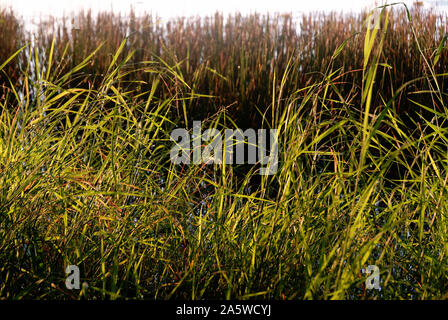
(235, 58)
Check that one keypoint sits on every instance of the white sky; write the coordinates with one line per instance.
(169, 8)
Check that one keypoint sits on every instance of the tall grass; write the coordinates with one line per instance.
(85, 175)
(235, 58)
(12, 38)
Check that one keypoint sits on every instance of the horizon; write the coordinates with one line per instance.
(175, 8)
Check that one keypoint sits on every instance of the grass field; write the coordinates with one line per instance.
(86, 179)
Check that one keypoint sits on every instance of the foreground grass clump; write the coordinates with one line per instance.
(86, 179)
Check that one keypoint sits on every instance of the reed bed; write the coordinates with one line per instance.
(234, 58)
(12, 37)
(86, 179)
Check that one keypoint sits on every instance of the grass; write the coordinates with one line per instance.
(85, 175)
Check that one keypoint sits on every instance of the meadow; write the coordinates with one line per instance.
(87, 106)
